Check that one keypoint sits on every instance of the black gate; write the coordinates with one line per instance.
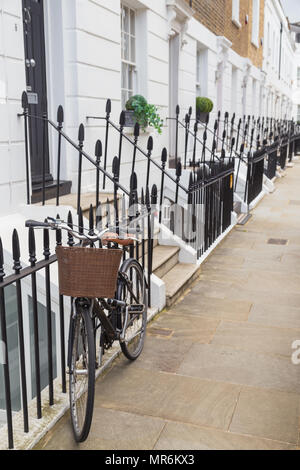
(35, 65)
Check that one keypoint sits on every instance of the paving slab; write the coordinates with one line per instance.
(226, 364)
(267, 413)
(256, 338)
(179, 436)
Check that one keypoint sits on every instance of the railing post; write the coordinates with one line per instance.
(176, 134)
(80, 145)
(60, 120)
(32, 260)
(45, 147)
(149, 148)
(46, 254)
(122, 123)
(62, 324)
(25, 113)
(164, 157)
(108, 111)
(115, 170)
(136, 138)
(98, 155)
(17, 268)
(5, 354)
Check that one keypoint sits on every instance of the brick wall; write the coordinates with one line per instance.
(216, 15)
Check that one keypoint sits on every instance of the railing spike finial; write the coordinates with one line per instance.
(190, 111)
(16, 251)
(150, 144)
(164, 155)
(60, 115)
(147, 199)
(133, 182)
(32, 251)
(115, 168)
(91, 218)
(108, 107)
(70, 224)
(154, 194)
(177, 110)
(58, 234)
(179, 169)
(216, 125)
(80, 222)
(122, 119)
(207, 119)
(81, 134)
(46, 252)
(24, 100)
(98, 150)
(2, 273)
(136, 132)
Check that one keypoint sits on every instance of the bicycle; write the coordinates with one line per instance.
(109, 303)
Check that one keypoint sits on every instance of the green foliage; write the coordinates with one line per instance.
(146, 114)
(204, 105)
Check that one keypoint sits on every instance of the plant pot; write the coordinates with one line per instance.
(130, 120)
(201, 117)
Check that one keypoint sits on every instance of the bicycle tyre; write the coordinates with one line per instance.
(80, 356)
(128, 267)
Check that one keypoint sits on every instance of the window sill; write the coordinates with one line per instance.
(236, 23)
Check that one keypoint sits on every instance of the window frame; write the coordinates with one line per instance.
(255, 22)
(236, 13)
(130, 63)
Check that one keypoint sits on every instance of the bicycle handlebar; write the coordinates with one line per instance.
(55, 224)
(36, 224)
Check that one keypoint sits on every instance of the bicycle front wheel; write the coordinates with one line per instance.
(82, 374)
(131, 289)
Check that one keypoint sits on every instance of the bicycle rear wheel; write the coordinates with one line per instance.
(135, 333)
(82, 373)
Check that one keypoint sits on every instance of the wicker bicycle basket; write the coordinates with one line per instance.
(88, 272)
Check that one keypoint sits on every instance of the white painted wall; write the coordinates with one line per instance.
(12, 83)
(83, 49)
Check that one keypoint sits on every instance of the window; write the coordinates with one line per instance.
(255, 22)
(236, 13)
(298, 38)
(128, 46)
(201, 72)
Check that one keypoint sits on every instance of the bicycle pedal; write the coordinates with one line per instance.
(136, 308)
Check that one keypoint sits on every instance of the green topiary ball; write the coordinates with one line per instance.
(204, 105)
(136, 98)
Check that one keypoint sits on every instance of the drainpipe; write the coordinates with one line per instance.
(280, 49)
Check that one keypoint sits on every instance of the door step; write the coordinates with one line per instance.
(178, 279)
(50, 191)
(243, 219)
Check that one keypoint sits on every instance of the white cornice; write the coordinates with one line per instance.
(179, 13)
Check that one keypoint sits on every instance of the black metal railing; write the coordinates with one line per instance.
(134, 212)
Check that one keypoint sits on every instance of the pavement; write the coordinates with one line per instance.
(216, 371)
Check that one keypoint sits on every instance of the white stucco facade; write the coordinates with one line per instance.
(83, 62)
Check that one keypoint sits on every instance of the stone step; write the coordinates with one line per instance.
(178, 279)
(164, 259)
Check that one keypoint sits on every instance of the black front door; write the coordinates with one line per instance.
(35, 65)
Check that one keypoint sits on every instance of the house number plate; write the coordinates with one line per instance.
(32, 98)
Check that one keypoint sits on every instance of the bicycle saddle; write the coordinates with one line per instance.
(110, 237)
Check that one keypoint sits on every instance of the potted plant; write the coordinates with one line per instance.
(139, 110)
(204, 106)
